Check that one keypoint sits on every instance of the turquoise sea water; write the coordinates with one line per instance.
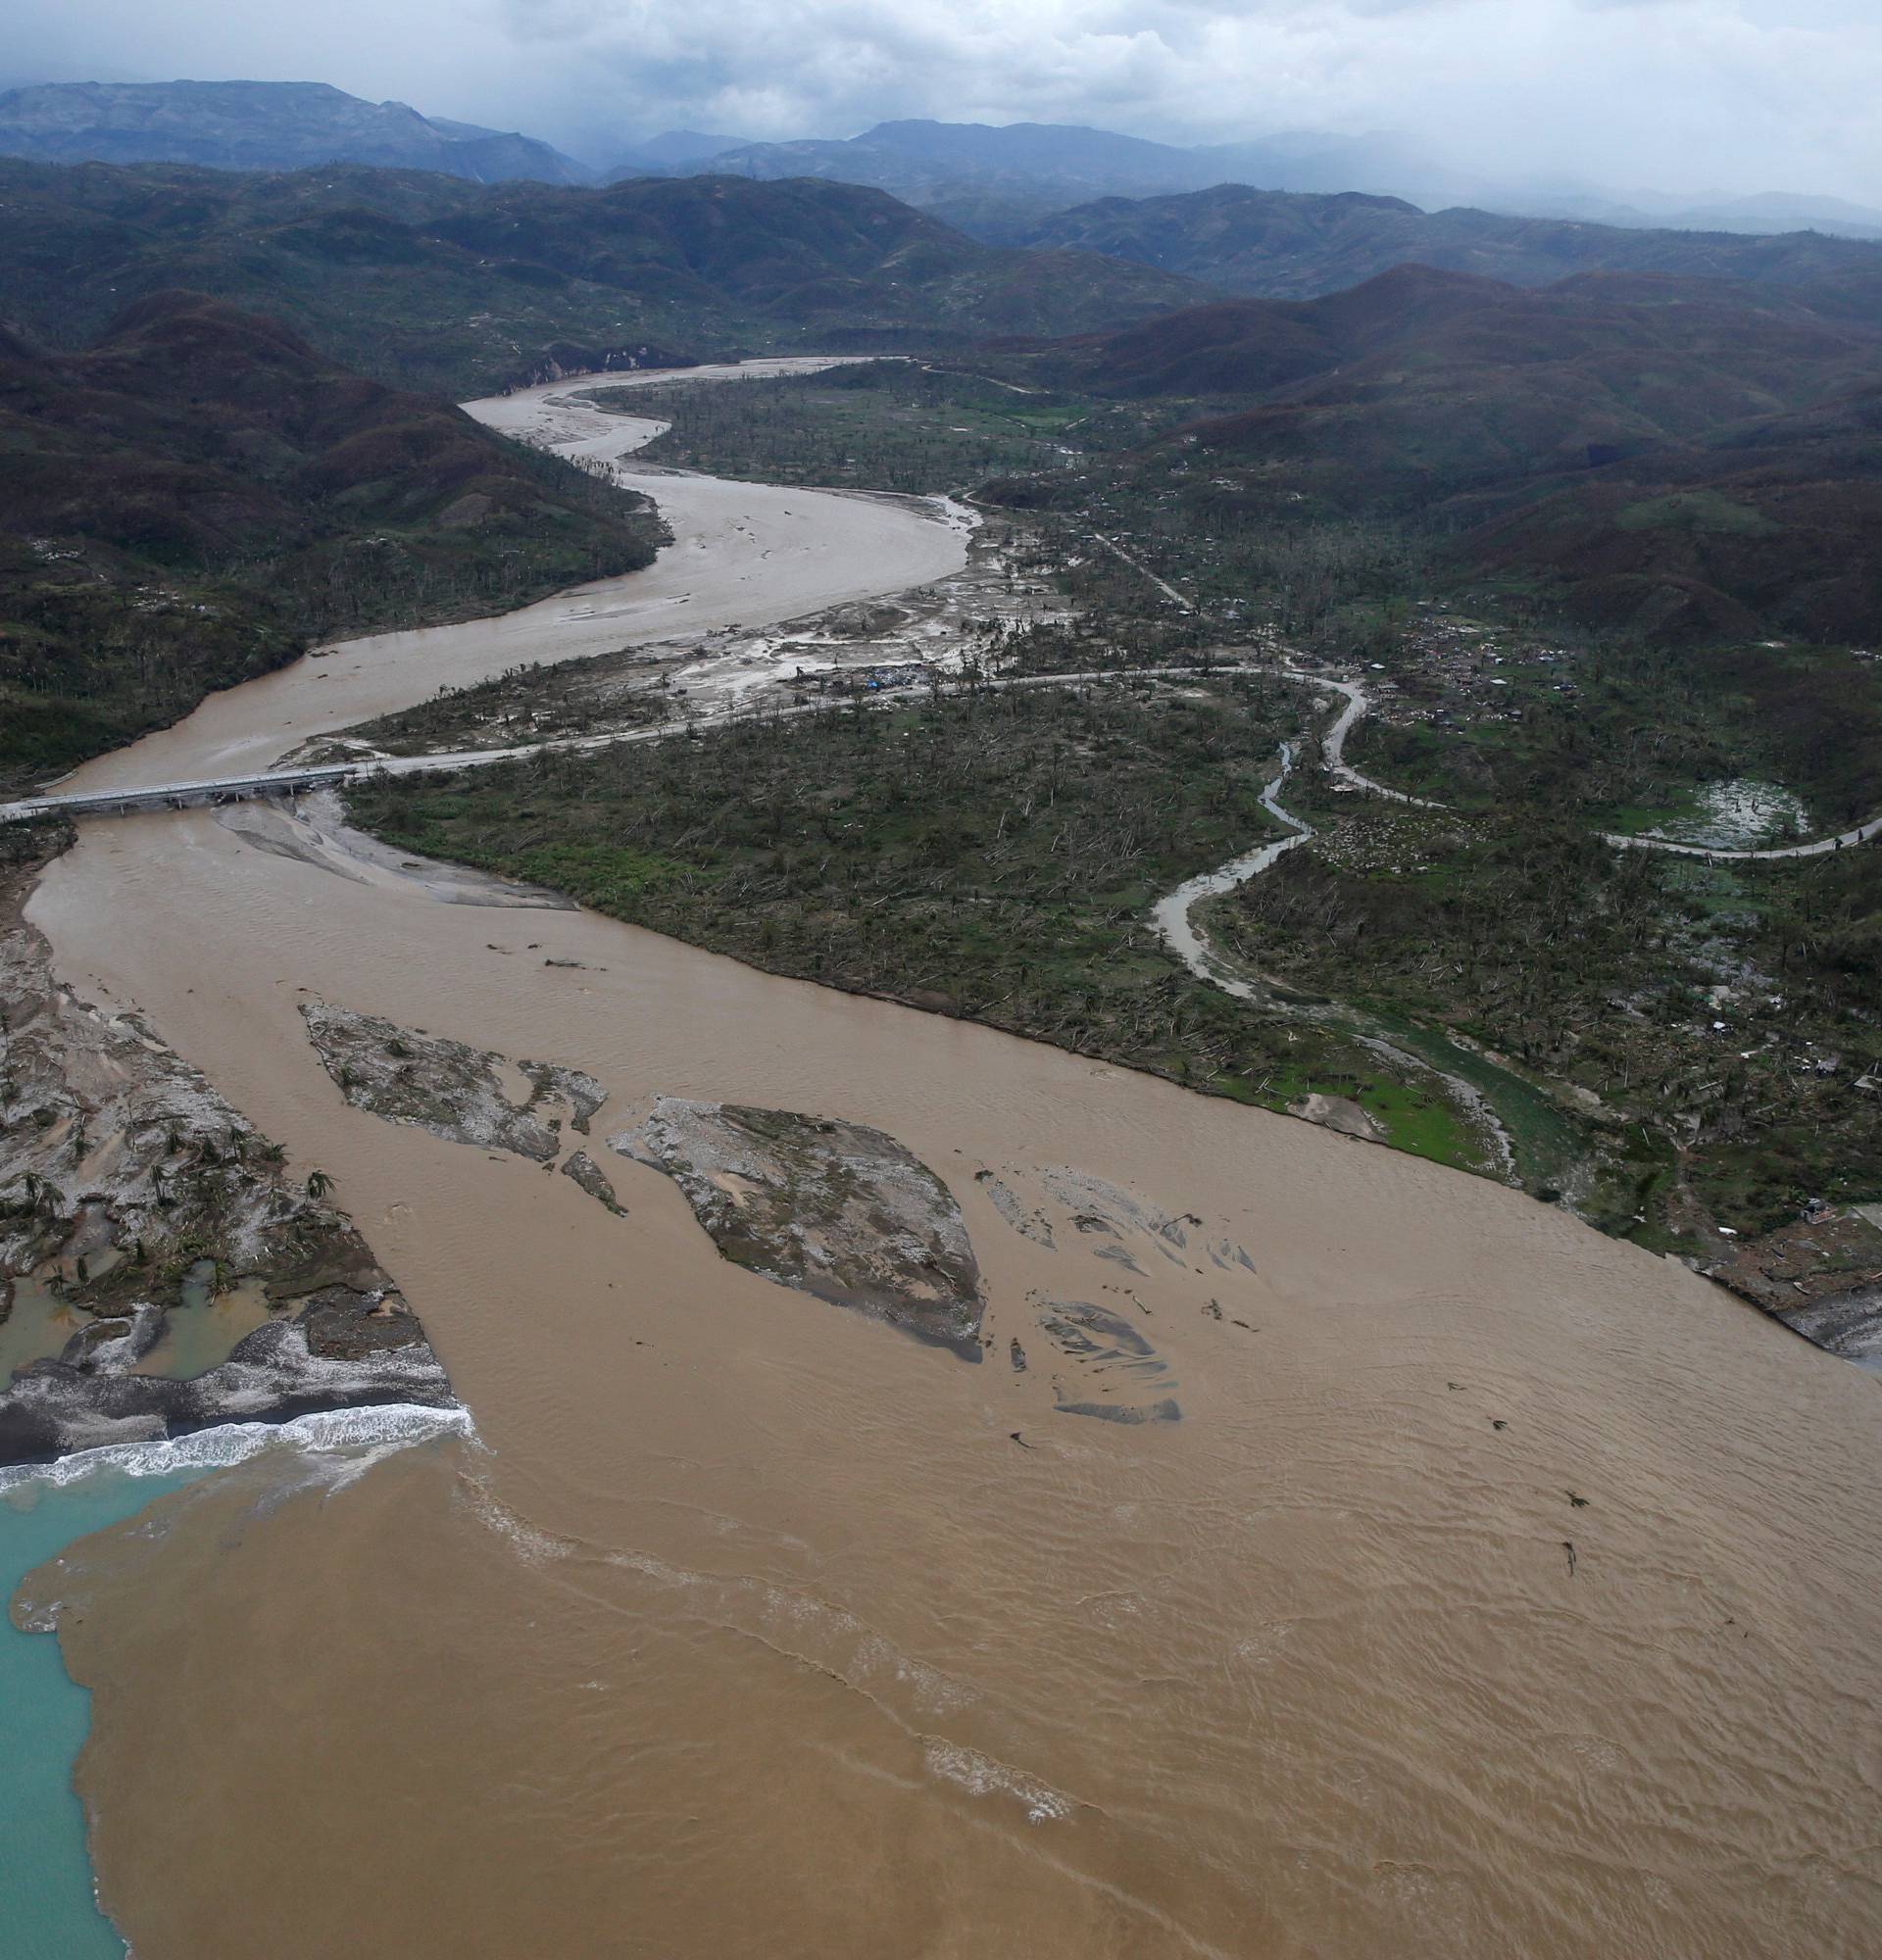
(47, 1910)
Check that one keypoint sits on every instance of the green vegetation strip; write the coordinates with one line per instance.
(878, 426)
(994, 856)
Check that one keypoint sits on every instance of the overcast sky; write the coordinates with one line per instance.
(1684, 94)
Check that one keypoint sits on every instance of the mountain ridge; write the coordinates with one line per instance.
(429, 280)
(1682, 459)
(260, 125)
(1289, 245)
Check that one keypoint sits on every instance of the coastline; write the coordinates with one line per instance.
(50, 1515)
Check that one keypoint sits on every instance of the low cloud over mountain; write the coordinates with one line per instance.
(1689, 95)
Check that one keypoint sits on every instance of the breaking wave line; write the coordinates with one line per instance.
(387, 1425)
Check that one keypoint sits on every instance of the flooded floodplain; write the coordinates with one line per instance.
(1494, 1588)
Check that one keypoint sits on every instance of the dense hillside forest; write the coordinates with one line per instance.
(1682, 459)
(1293, 245)
(428, 281)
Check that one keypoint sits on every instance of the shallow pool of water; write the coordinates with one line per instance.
(39, 1325)
(198, 1335)
(1742, 815)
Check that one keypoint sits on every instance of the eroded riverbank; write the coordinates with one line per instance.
(1500, 1588)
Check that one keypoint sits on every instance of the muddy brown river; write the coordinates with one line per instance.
(1502, 1591)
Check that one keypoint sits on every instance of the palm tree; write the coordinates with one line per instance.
(319, 1184)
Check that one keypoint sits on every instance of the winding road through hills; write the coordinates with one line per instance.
(1820, 847)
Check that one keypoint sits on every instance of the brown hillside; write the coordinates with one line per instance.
(1686, 458)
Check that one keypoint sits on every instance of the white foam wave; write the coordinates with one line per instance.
(935, 1692)
(532, 1545)
(981, 1775)
(392, 1425)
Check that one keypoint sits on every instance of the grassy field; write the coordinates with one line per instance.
(876, 425)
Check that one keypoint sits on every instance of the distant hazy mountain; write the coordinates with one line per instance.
(674, 152)
(1041, 151)
(997, 182)
(1763, 214)
(992, 178)
(1040, 164)
(260, 125)
(1779, 211)
(904, 156)
(1287, 245)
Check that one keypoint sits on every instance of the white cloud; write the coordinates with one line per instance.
(1689, 94)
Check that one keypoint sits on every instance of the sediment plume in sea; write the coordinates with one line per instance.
(1450, 1618)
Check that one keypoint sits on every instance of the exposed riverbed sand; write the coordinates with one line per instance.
(1496, 1588)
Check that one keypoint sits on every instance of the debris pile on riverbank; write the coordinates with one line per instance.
(132, 1192)
(409, 1076)
(1821, 1275)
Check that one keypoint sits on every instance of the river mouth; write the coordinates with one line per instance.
(1331, 1607)
(1500, 1588)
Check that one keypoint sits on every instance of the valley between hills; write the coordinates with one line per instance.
(966, 889)
(1553, 579)
(1461, 965)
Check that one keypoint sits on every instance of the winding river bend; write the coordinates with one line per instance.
(1502, 1591)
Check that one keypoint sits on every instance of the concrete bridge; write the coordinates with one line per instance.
(179, 796)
